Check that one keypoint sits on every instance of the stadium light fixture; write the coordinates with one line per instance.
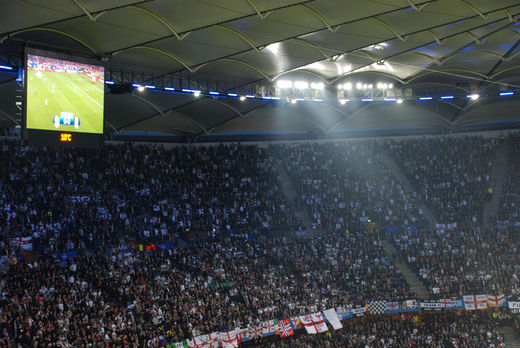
(293, 101)
(301, 85)
(214, 93)
(473, 96)
(444, 97)
(196, 92)
(6, 67)
(347, 86)
(109, 82)
(284, 84)
(169, 89)
(399, 101)
(317, 85)
(359, 85)
(140, 88)
(425, 98)
(505, 94)
(242, 98)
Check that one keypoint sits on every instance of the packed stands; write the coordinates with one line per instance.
(138, 245)
(452, 174)
(344, 184)
(458, 261)
(509, 211)
(423, 330)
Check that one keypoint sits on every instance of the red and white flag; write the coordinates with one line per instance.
(286, 329)
(495, 300)
(230, 339)
(314, 323)
(473, 302)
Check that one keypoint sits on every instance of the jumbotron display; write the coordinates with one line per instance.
(65, 98)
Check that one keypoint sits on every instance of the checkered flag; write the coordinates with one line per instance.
(377, 307)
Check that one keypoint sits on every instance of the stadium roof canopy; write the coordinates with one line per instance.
(398, 50)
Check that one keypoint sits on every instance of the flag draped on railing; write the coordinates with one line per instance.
(316, 323)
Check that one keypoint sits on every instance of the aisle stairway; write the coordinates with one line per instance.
(498, 174)
(510, 338)
(408, 274)
(399, 174)
(291, 194)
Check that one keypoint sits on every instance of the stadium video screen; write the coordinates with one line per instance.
(63, 96)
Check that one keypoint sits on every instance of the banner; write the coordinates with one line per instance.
(474, 302)
(496, 300)
(333, 318)
(432, 305)
(23, 242)
(314, 323)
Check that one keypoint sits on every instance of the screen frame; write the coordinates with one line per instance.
(46, 137)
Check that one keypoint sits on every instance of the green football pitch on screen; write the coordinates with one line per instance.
(64, 101)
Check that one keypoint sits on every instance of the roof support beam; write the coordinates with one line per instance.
(411, 49)
(161, 51)
(239, 34)
(391, 27)
(246, 114)
(233, 60)
(95, 15)
(313, 45)
(162, 113)
(308, 33)
(161, 20)
(441, 43)
(52, 30)
(474, 8)
(257, 10)
(413, 5)
(235, 110)
(320, 17)
(83, 8)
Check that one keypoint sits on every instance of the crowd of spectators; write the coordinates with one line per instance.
(233, 259)
(232, 263)
(75, 198)
(452, 174)
(192, 289)
(509, 209)
(449, 329)
(344, 185)
(459, 261)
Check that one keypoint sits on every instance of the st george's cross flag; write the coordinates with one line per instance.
(473, 302)
(496, 300)
(314, 323)
(286, 329)
(230, 339)
(270, 327)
